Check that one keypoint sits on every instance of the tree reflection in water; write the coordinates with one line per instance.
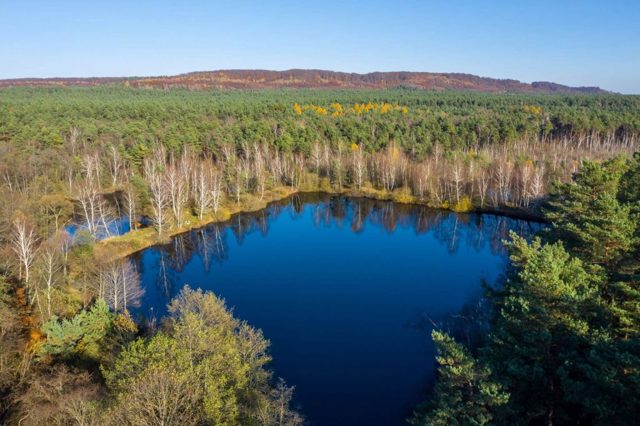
(343, 287)
(210, 242)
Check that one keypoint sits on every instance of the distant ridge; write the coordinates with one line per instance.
(298, 78)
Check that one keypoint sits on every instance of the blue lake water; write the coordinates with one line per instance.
(113, 227)
(346, 290)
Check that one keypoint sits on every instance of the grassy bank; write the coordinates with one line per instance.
(139, 239)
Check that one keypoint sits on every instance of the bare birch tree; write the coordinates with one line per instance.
(177, 181)
(116, 164)
(358, 165)
(24, 243)
(130, 203)
(120, 285)
(49, 268)
(158, 193)
(457, 177)
(87, 195)
(202, 187)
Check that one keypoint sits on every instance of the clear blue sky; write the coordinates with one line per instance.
(573, 42)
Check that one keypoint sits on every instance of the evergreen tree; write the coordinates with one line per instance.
(545, 320)
(465, 394)
(92, 334)
(629, 191)
(629, 194)
(82, 335)
(587, 216)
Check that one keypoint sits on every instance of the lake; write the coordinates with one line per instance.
(346, 290)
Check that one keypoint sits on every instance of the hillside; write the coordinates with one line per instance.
(263, 79)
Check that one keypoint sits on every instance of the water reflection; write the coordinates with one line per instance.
(347, 291)
(477, 230)
(451, 230)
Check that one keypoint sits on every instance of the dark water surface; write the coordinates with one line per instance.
(346, 290)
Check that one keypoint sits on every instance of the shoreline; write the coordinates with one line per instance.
(137, 240)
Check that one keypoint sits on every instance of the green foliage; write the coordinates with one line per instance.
(206, 119)
(629, 191)
(212, 363)
(597, 215)
(588, 217)
(545, 318)
(81, 335)
(565, 333)
(83, 244)
(566, 325)
(629, 194)
(466, 393)
(89, 335)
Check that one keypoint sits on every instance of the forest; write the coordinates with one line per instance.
(564, 346)
(91, 175)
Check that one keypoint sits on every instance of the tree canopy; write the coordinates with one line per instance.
(564, 344)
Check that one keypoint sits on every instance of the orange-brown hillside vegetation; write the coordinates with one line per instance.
(296, 78)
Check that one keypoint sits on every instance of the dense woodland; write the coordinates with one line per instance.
(564, 345)
(166, 161)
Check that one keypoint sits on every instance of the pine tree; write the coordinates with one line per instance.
(588, 217)
(629, 190)
(629, 194)
(465, 394)
(565, 339)
(544, 321)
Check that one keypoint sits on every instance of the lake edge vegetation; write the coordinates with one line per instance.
(564, 339)
(181, 159)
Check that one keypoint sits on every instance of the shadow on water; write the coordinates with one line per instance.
(347, 290)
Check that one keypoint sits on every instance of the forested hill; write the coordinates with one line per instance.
(263, 79)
